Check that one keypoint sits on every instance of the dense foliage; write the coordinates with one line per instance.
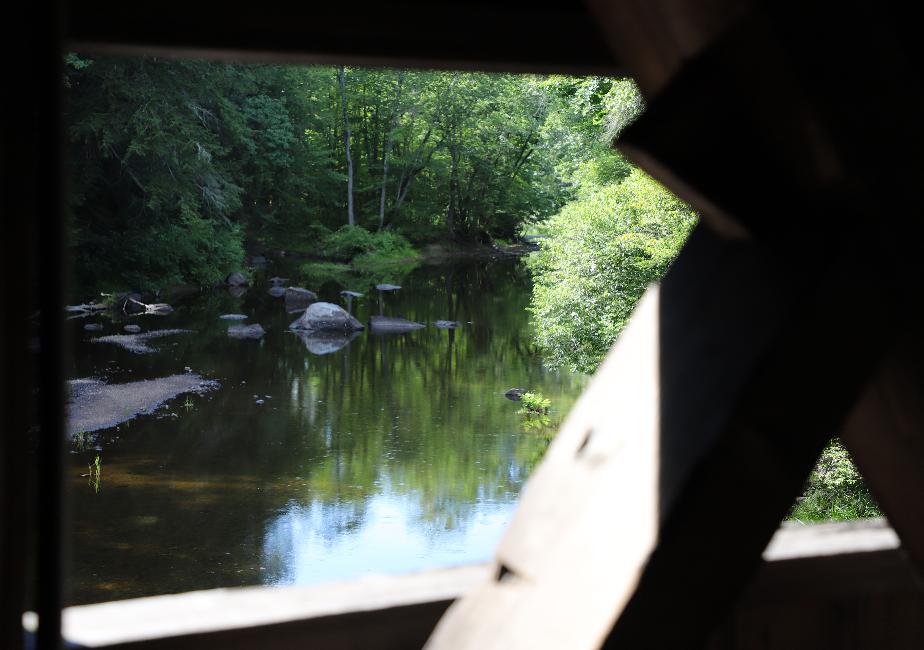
(605, 247)
(177, 166)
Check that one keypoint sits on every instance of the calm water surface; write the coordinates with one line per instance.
(396, 453)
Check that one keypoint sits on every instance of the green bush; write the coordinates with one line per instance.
(369, 250)
(348, 242)
(605, 249)
(535, 403)
(835, 490)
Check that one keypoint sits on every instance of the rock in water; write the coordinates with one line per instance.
(298, 298)
(389, 325)
(326, 317)
(137, 343)
(93, 327)
(447, 324)
(237, 292)
(276, 281)
(236, 279)
(132, 329)
(515, 394)
(159, 308)
(351, 294)
(233, 317)
(258, 260)
(387, 287)
(254, 331)
(277, 292)
(95, 405)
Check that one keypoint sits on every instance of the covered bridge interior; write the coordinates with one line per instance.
(792, 314)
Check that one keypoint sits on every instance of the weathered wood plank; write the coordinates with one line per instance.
(855, 565)
(392, 611)
(885, 435)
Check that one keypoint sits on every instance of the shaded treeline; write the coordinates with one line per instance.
(178, 165)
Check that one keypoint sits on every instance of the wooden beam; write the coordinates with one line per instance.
(500, 36)
(885, 435)
(829, 587)
(381, 612)
(716, 399)
(821, 566)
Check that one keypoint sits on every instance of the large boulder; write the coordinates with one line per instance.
(389, 325)
(246, 331)
(515, 394)
(326, 317)
(298, 298)
(236, 279)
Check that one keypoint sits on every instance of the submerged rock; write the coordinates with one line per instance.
(277, 292)
(389, 325)
(137, 343)
(236, 279)
(258, 260)
(254, 331)
(515, 394)
(326, 317)
(93, 327)
(237, 292)
(233, 317)
(95, 405)
(447, 324)
(298, 298)
(158, 308)
(321, 343)
(132, 329)
(387, 287)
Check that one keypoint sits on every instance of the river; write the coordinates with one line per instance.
(395, 453)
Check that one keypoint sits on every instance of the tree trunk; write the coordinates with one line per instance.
(388, 142)
(341, 78)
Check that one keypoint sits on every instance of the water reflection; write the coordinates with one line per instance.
(317, 459)
(387, 533)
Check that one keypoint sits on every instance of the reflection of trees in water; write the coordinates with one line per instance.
(300, 529)
(417, 419)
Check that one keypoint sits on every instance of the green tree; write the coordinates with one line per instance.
(606, 248)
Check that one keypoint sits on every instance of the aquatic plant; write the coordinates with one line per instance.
(95, 472)
(534, 403)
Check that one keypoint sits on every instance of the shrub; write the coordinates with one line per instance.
(835, 490)
(604, 250)
(348, 242)
(535, 403)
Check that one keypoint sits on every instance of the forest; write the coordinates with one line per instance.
(181, 171)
